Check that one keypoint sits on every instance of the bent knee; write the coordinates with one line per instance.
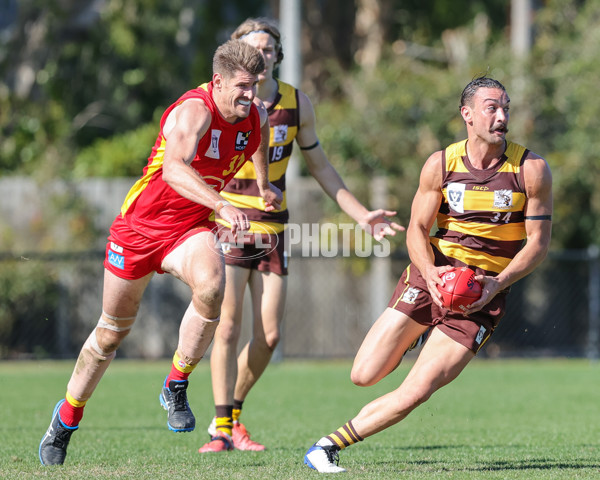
(362, 378)
(227, 332)
(267, 343)
(272, 340)
(208, 296)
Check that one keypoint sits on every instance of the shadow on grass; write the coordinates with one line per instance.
(543, 463)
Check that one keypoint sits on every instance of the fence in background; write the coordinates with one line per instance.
(553, 311)
(331, 302)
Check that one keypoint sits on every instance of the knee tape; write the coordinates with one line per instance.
(117, 324)
(93, 343)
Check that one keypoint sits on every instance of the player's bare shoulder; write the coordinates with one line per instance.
(536, 174)
(432, 171)
(262, 110)
(193, 113)
(305, 107)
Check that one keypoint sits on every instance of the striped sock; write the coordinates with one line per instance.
(71, 411)
(223, 420)
(344, 436)
(179, 370)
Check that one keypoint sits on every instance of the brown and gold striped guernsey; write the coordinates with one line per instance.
(481, 219)
(242, 191)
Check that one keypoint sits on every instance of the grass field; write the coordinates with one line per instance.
(510, 419)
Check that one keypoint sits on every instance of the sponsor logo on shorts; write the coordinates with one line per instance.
(116, 260)
(480, 335)
(116, 248)
(410, 295)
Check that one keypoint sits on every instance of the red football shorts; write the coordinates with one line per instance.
(131, 255)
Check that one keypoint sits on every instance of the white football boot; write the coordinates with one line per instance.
(323, 457)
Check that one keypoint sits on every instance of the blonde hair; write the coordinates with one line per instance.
(261, 25)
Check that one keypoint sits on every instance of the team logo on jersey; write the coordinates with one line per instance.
(213, 148)
(410, 295)
(456, 196)
(280, 133)
(503, 198)
(241, 140)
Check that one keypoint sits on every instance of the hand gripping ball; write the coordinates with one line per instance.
(460, 289)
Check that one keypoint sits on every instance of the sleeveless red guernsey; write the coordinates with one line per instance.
(153, 209)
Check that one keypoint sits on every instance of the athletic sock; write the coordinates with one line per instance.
(179, 370)
(71, 411)
(223, 420)
(237, 410)
(344, 436)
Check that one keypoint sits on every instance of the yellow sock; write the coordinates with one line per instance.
(73, 402)
(235, 414)
(225, 425)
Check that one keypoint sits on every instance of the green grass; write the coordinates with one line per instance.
(511, 419)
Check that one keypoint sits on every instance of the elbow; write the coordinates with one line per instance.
(167, 174)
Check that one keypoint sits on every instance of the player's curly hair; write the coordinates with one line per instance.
(261, 24)
(482, 81)
(236, 55)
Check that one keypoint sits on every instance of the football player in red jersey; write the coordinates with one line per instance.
(164, 226)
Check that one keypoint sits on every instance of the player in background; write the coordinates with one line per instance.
(488, 195)
(291, 117)
(164, 226)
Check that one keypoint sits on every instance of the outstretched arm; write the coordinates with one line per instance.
(331, 182)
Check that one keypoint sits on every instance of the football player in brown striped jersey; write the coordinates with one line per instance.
(291, 117)
(492, 201)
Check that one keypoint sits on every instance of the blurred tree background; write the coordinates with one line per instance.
(83, 83)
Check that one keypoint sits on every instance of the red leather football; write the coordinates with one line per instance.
(460, 289)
